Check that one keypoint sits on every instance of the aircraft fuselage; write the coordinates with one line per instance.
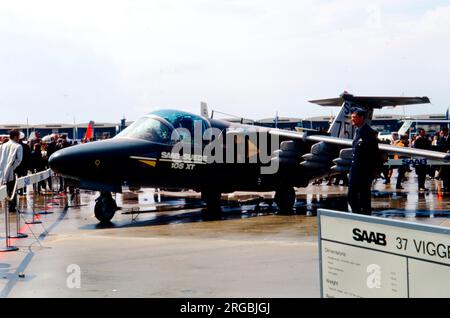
(110, 164)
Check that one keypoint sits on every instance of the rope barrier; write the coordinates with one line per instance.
(5, 198)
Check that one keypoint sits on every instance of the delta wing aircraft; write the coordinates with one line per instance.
(174, 149)
(403, 130)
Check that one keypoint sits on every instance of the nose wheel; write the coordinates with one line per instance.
(105, 207)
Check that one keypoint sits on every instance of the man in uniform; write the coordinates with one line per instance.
(443, 143)
(365, 161)
(422, 142)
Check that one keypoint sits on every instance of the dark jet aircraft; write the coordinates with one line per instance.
(174, 149)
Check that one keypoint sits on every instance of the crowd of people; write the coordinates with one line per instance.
(439, 141)
(19, 156)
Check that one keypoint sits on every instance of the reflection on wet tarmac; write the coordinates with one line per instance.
(151, 208)
(176, 212)
(163, 233)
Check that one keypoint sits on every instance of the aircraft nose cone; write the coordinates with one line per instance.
(56, 162)
(66, 161)
(96, 160)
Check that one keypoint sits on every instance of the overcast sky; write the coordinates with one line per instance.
(102, 60)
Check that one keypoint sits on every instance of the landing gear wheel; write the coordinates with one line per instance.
(105, 207)
(212, 200)
(285, 200)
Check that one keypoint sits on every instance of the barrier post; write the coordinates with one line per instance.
(34, 221)
(15, 194)
(45, 207)
(8, 247)
(36, 186)
(18, 233)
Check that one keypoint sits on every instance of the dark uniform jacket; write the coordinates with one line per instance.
(51, 148)
(366, 155)
(443, 143)
(422, 143)
(38, 163)
(22, 169)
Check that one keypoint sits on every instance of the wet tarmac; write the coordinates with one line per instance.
(164, 244)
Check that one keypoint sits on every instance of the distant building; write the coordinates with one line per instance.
(280, 122)
(77, 131)
(318, 122)
(431, 123)
(385, 124)
(47, 129)
(4, 129)
(382, 123)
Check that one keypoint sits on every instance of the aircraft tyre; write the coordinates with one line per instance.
(105, 207)
(212, 200)
(285, 200)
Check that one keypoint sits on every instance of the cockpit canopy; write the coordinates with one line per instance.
(166, 126)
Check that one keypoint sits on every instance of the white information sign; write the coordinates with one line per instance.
(365, 256)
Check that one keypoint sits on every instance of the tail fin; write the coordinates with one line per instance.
(405, 127)
(90, 131)
(204, 110)
(342, 126)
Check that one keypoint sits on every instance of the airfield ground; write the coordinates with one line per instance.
(176, 250)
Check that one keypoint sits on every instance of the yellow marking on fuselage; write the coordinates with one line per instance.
(151, 163)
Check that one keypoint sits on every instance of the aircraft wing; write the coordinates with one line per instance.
(406, 151)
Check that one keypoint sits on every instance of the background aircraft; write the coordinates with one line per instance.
(143, 155)
(89, 131)
(403, 130)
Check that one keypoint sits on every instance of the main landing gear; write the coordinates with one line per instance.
(212, 200)
(285, 199)
(105, 207)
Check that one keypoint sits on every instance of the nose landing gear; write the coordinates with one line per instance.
(105, 207)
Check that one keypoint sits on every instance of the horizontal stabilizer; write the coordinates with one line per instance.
(371, 101)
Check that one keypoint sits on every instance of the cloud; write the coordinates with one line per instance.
(249, 57)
